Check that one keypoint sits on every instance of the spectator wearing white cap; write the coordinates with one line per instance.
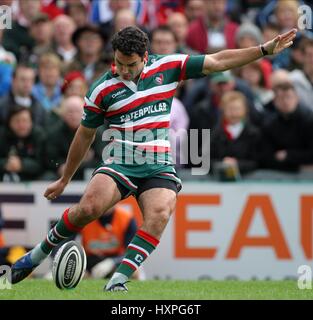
(249, 35)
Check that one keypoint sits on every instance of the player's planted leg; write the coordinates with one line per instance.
(156, 215)
(138, 250)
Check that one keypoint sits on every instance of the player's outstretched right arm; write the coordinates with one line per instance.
(80, 145)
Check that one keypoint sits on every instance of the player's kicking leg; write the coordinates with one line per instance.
(101, 194)
(156, 205)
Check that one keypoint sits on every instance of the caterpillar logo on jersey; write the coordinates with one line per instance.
(159, 79)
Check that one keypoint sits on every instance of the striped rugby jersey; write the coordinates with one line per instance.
(139, 114)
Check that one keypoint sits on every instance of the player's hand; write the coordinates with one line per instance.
(14, 164)
(281, 155)
(281, 42)
(230, 161)
(55, 189)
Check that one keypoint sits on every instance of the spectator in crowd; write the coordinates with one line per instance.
(91, 59)
(235, 141)
(203, 98)
(41, 30)
(52, 8)
(18, 39)
(7, 64)
(6, 56)
(78, 11)
(148, 13)
(194, 9)
(178, 23)
(303, 79)
(104, 11)
(206, 112)
(162, 10)
(296, 54)
(56, 152)
(269, 31)
(104, 14)
(21, 151)
(286, 14)
(21, 94)
(254, 76)
(288, 134)
(163, 41)
(214, 31)
(245, 9)
(48, 88)
(74, 84)
(63, 29)
(279, 76)
(106, 239)
(249, 35)
(124, 18)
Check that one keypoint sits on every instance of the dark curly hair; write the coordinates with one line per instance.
(130, 40)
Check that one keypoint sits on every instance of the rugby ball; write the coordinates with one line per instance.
(69, 265)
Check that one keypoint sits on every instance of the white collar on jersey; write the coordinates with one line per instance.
(130, 84)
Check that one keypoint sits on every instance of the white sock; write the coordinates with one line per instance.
(37, 255)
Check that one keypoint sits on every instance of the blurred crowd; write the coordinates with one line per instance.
(260, 115)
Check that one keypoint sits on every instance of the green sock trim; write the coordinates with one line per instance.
(138, 241)
(136, 256)
(54, 238)
(62, 229)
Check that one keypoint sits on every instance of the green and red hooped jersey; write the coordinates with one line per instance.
(133, 109)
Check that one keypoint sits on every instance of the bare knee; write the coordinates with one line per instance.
(101, 194)
(157, 219)
(88, 211)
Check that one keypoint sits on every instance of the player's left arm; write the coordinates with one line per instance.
(232, 58)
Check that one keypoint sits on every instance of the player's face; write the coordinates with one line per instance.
(129, 67)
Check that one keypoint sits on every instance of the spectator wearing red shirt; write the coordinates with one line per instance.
(214, 31)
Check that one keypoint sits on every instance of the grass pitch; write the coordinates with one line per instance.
(35, 289)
